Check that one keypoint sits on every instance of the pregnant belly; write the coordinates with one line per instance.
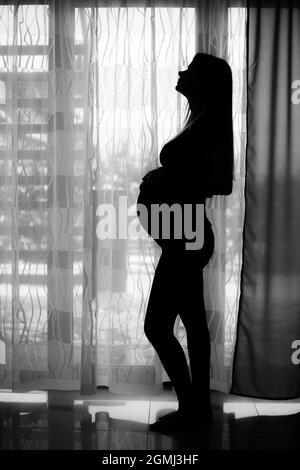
(159, 190)
(156, 189)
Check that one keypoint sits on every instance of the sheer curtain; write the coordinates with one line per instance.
(87, 99)
(268, 341)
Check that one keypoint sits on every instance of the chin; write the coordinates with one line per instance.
(180, 90)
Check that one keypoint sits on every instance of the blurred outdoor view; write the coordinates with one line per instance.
(123, 138)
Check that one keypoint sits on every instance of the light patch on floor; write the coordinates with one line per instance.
(240, 410)
(277, 409)
(32, 397)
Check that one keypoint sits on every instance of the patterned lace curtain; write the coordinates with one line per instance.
(87, 100)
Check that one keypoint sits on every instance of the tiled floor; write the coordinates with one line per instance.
(107, 421)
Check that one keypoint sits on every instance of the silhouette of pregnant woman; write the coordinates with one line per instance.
(196, 164)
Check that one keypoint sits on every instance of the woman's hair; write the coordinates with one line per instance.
(215, 82)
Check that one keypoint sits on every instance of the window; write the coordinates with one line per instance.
(129, 120)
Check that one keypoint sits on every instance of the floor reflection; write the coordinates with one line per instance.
(65, 421)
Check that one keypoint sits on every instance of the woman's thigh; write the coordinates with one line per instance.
(188, 259)
(191, 285)
(177, 286)
(162, 308)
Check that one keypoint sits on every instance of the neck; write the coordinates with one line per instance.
(196, 113)
(196, 108)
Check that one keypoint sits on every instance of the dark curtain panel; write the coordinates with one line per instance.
(266, 361)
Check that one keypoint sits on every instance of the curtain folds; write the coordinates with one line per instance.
(268, 336)
(87, 100)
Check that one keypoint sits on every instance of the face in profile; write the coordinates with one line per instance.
(189, 82)
(207, 85)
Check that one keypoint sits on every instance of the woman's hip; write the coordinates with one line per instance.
(199, 248)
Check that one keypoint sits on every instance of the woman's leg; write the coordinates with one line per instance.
(193, 316)
(162, 311)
